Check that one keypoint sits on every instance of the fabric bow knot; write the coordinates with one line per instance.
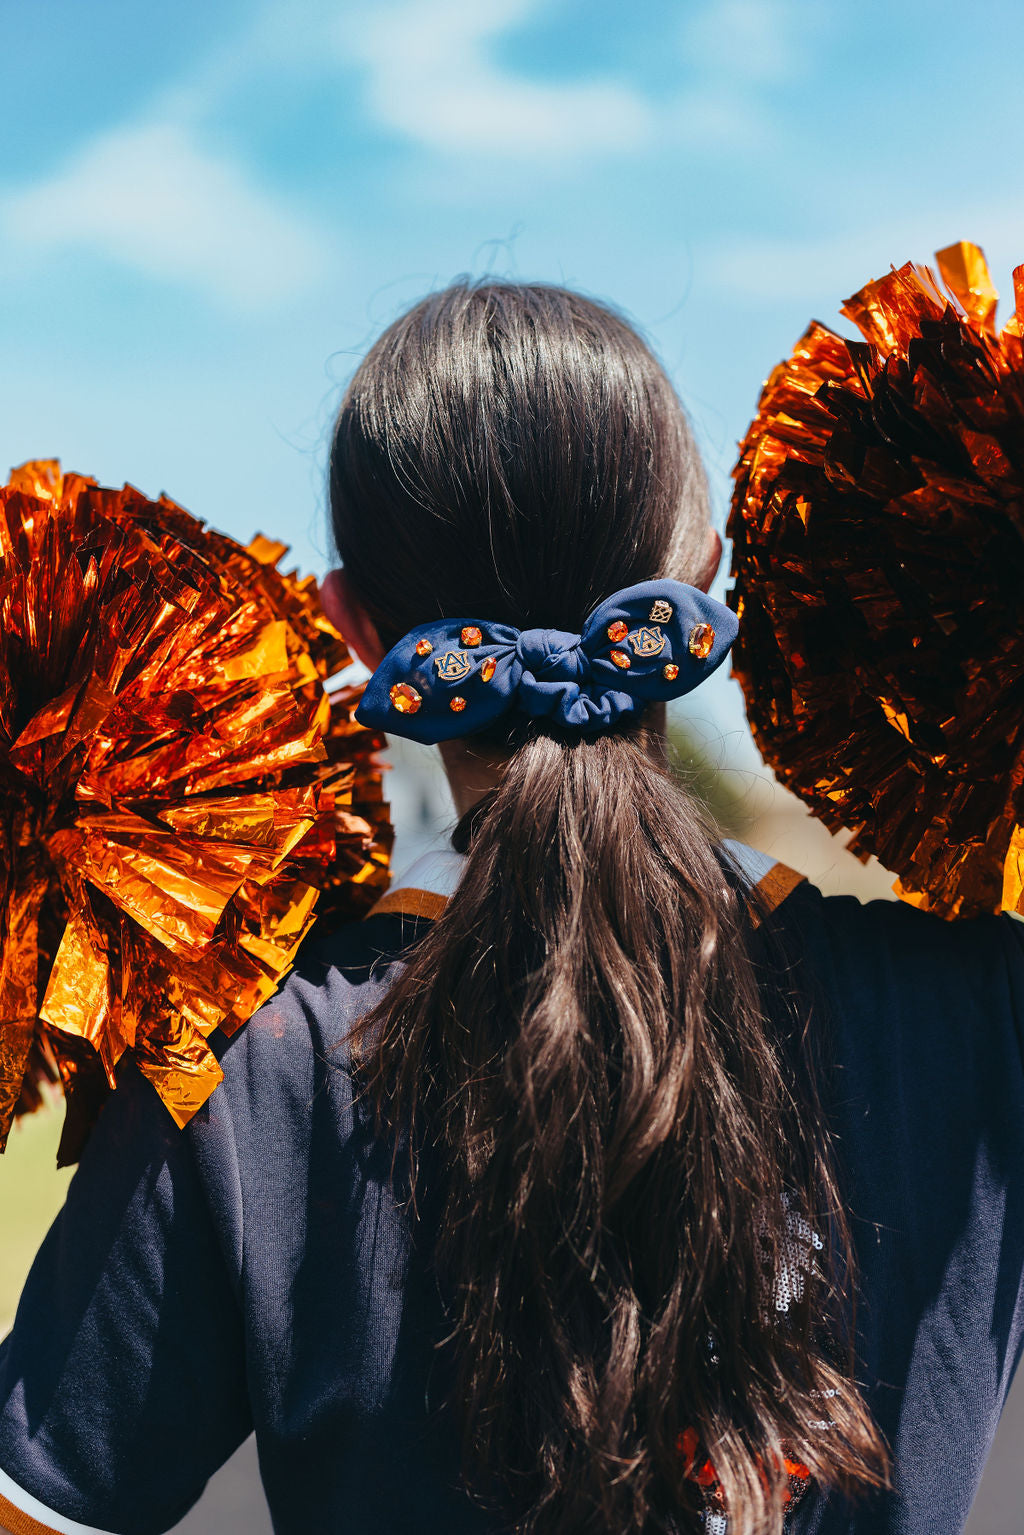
(649, 643)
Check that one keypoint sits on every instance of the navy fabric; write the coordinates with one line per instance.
(257, 1269)
(568, 679)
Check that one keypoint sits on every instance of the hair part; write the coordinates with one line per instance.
(582, 1047)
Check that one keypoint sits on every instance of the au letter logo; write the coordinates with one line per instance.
(647, 641)
(452, 666)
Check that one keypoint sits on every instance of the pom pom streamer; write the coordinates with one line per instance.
(179, 795)
(878, 559)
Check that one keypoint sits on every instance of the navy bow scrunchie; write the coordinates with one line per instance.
(649, 643)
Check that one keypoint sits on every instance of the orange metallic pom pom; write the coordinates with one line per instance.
(621, 659)
(457, 704)
(471, 636)
(617, 631)
(181, 796)
(702, 637)
(878, 561)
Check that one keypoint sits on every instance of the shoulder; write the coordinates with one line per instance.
(923, 1017)
(275, 1061)
(884, 968)
(891, 943)
(289, 1065)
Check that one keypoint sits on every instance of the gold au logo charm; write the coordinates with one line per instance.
(452, 666)
(661, 612)
(647, 641)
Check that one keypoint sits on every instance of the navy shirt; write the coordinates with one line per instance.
(257, 1272)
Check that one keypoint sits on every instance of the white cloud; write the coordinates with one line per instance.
(431, 77)
(745, 40)
(153, 196)
(736, 55)
(150, 197)
(715, 119)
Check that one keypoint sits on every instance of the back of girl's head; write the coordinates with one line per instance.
(516, 451)
(622, 1143)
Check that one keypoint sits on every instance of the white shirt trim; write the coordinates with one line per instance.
(441, 869)
(438, 871)
(751, 864)
(27, 1504)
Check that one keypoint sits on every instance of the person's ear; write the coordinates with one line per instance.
(712, 559)
(343, 607)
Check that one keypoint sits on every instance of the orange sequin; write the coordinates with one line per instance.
(702, 1472)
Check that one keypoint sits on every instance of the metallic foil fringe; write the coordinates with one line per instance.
(180, 797)
(878, 559)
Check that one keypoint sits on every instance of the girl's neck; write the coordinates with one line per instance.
(475, 769)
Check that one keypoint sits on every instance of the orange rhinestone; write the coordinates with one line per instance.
(404, 698)
(670, 671)
(702, 637)
(621, 659)
(423, 647)
(457, 704)
(616, 632)
(488, 669)
(471, 636)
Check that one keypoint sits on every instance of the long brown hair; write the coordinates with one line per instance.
(626, 1140)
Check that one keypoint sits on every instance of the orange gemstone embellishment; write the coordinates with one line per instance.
(670, 671)
(404, 698)
(616, 632)
(621, 659)
(457, 704)
(702, 637)
(471, 636)
(423, 647)
(488, 669)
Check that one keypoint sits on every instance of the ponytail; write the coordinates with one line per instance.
(622, 1156)
(586, 1055)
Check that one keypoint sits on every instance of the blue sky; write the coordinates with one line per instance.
(208, 210)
